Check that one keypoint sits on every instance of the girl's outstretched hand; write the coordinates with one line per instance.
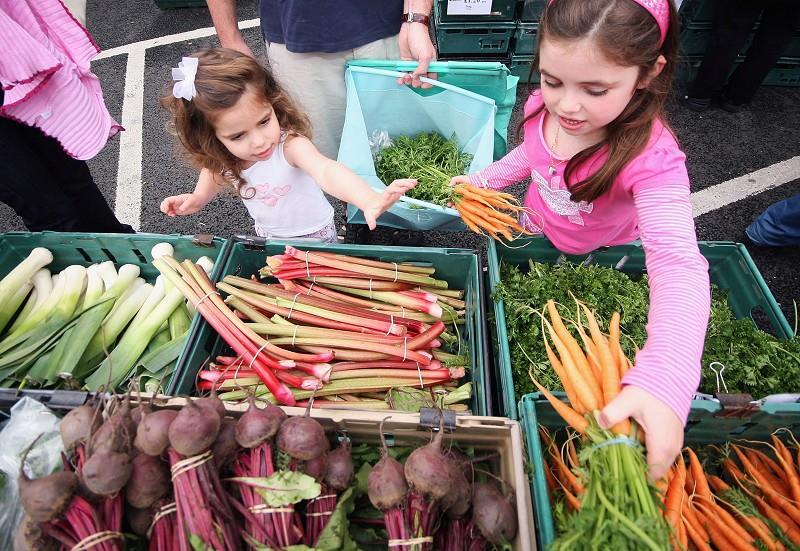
(663, 429)
(463, 179)
(382, 201)
(181, 205)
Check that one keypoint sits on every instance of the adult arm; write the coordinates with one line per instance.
(223, 14)
(415, 43)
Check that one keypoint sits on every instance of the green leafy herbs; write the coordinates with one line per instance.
(755, 362)
(430, 159)
(524, 294)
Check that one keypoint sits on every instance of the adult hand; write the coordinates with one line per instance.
(240, 45)
(382, 201)
(180, 205)
(663, 429)
(415, 44)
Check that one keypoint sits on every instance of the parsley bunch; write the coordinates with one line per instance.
(430, 159)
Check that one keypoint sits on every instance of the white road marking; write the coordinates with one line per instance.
(170, 39)
(128, 202)
(717, 196)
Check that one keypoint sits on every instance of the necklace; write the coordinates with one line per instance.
(552, 169)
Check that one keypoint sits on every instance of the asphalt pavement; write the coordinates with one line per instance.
(719, 145)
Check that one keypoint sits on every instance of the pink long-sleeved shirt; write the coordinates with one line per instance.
(46, 78)
(650, 201)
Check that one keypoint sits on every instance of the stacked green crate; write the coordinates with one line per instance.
(696, 30)
(471, 36)
(526, 39)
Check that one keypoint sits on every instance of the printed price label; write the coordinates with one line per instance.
(469, 7)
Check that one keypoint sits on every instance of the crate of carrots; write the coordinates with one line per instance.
(353, 327)
(736, 484)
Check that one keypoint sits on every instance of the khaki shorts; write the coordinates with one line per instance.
(316, 82)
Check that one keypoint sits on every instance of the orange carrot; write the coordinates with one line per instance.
(565, 380)
(769, 469)
(568, 478)
(725, 518)
(569, 415)
(609, 369)
(674, 499)
(790, 474)
(718, 484)
(690, 515)
(591, 353)
(683, 538)
(765, 486)
(583, 390)
(577, 355)
(699, 476)
(695, 537)
(781, 520)
(573, 502)
(573, 453)
(761, 532)
(721, 537)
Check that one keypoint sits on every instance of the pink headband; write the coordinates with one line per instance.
(659, 9)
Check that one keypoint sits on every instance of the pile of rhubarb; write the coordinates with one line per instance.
(352, 332)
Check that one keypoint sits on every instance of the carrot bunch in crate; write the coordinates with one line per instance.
(743, 496)
(614, 506)
(488, 212)
(353, 332)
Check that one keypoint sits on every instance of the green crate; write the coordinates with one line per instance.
(521, 66)
(786, 71)
(697, 11)
(695, 37)
(526, 38)
(88, 248)
(532, 10)
(172, 4)
(459, 267)
(730, 267)
(488, 39)
(501, 10)
(704, 426)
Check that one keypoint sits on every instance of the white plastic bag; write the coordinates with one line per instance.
(29, 419)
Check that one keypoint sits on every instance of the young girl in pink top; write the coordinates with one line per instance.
(606, 169)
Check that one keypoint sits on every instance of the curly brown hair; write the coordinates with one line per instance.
(629, 36)
(223, 76)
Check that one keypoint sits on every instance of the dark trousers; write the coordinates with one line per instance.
(47, 188)
(733, 23)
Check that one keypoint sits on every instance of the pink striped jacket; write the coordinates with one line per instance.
(46, 78)
(650, 201)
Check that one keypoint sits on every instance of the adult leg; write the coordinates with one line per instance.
(778, 225)
(778, 24)
(46, 187)
(733, 22)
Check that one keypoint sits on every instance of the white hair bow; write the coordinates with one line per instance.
(184, 74)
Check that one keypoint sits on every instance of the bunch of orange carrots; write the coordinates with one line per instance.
(488, 212)
(604, 479)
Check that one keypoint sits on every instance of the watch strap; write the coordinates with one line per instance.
(412, 17)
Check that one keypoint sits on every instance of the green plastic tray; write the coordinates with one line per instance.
(730, 267)
(501, 10)
(704, 426)
(521, 67)
(490, 79)
(532, 10)
(526, 38)
(459, 267)
(88, 248)
(481, 38)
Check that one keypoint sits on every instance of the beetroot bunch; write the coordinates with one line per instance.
(426, 502)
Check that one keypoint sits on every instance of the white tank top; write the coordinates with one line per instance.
(284, 201)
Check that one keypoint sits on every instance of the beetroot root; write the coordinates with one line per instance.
(152, 434)
(194, 429)
(46, 497)
(493, 513)
(258, 425)
(303, 438)
(105, 473)
(149, 481)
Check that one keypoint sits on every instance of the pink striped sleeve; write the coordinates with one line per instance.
(509, 170)
(668, 366)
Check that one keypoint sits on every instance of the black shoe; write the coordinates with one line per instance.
(730, 106)
(697, 105)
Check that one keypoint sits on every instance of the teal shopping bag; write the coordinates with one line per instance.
(376, 103)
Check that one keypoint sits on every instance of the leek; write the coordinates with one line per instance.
(10, 307)
(153, 298)
(108, 273)
(179, 322)
(90, 321)
(19, 276)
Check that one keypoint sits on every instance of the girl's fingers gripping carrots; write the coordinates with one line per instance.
(456, 180)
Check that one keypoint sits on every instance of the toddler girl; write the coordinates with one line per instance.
(605, 170)
(242, 129)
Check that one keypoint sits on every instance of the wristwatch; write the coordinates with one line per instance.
(412, 17)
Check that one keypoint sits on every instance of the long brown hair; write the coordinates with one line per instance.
(223, 76)
(628, 36)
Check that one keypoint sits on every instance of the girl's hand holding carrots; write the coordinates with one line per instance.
(663, 429)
